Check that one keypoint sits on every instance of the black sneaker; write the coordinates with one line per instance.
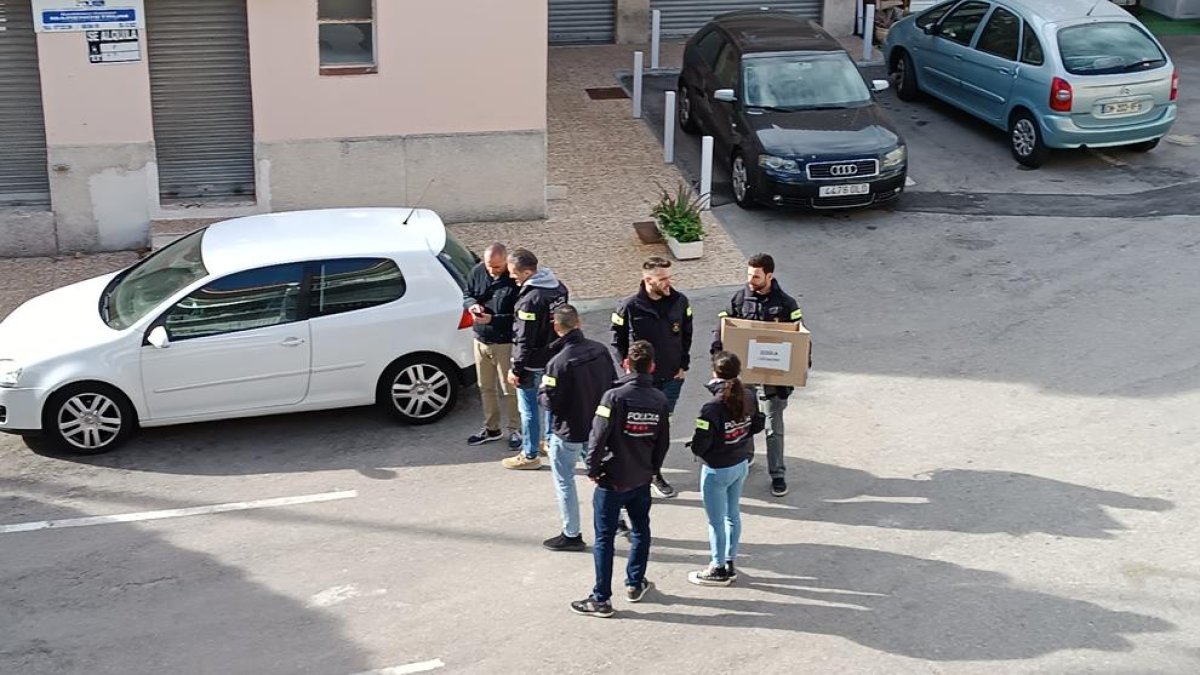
(589, 607)
(564, 543)
(731, 571)
(713, 575)
(514, 440)
(636, 593)
(779, 486)
(662, 488)
(485, 435)
(622, 528)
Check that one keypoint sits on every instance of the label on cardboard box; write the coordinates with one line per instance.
(770, 355)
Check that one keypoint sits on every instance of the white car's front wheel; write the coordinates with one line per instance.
(87, 419)
(419, 390)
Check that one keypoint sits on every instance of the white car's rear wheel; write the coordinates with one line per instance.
(419, 390)
(87, 419)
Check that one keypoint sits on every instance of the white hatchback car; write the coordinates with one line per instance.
(269, 314)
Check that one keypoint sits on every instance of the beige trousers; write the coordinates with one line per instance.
(493, 363)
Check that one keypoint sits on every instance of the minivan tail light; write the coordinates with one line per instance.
(465, 321)
(1174, 85)
(1060, 95)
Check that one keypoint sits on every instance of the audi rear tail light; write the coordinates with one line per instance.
(1061, 95)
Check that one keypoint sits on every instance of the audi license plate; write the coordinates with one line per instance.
(844, 190)
(1121, 108)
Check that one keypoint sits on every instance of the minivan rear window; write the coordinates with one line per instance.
(1108, 47)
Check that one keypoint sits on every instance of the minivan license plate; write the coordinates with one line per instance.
(844, 190)
(1122, 108)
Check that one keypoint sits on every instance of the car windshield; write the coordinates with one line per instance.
(138, 290)
(458, 260)
(1107, 48)
(803, 82)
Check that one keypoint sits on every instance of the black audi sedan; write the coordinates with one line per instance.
(790, 114)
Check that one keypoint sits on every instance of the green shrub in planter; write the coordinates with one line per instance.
(678, 215)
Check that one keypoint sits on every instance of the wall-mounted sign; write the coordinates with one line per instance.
(113, 46)
(56, 16)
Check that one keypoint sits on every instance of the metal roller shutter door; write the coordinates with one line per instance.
(682, 18)
(24, 177)
(582, 21)
(200, 94)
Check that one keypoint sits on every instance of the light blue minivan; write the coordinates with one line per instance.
(1061, 74)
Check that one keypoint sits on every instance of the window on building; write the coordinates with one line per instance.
(346, 31)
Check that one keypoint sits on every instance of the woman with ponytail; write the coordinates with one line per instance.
(723, 440)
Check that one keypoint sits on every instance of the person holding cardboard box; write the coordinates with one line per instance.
(662, 316)
(763, 300)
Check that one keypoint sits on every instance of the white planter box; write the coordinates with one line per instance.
(688, 251)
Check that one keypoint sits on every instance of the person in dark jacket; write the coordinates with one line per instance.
(724, 441)
(662, 316)
(629, 439)
(763, 300)
(576, 378)
(540, 294)
(490, 296)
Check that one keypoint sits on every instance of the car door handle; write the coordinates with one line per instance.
(1006, 71)
(292, 342)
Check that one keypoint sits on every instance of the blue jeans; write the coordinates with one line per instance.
(672, 388)
(564, 456)
(606, 504)
(722, 490)
(534, 419)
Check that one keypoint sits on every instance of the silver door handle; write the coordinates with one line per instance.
(1006, 71)
(292, 342)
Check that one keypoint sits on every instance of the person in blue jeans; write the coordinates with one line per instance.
(539, 295)
(629, 440)
(724, 441)
(576, 378)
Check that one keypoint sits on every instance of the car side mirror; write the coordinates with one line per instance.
(933, 29)
(158, 338)
(880, 85)
(724, 95)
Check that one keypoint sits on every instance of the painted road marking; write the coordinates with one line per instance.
(176, 513)
(422, 667)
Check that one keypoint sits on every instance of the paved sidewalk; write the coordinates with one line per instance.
(608, 164)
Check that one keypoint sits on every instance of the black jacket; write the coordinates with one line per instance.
(721, 441)
(498, 296)
(533, 329)
(576, 378)
(630, 434)
(775, 306)
(664, 323)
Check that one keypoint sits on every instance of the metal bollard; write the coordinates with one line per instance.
(706, 161)
(655, 40)
(868, 32)
(669, 129)
(637, 85)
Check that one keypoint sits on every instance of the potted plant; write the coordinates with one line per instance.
(678, 218)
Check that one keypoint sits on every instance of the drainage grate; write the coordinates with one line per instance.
(606, 93)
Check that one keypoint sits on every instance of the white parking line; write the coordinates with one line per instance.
(177, 513)
(422, 667)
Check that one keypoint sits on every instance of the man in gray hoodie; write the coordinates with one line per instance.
(533, 332)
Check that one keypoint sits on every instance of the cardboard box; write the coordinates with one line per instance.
(771, 353)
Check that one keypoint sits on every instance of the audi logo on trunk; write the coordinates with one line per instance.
(843, 170)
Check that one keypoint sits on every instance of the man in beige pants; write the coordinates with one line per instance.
(490, 296)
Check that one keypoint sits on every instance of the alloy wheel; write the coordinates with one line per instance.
(738, 176)
(90, 421)
(421, 391)
(1024, 137)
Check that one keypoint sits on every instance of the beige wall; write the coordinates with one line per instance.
(92, 103)
(430, 79)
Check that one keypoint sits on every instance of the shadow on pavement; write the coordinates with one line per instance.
(899, 604)
(119, 599)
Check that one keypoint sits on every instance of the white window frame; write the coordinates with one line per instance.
(351, 68)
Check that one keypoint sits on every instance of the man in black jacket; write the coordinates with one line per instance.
(576, 378)
(662, 316)
(761, 299)
(540, 294)
(629, 439)
(490, 296)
